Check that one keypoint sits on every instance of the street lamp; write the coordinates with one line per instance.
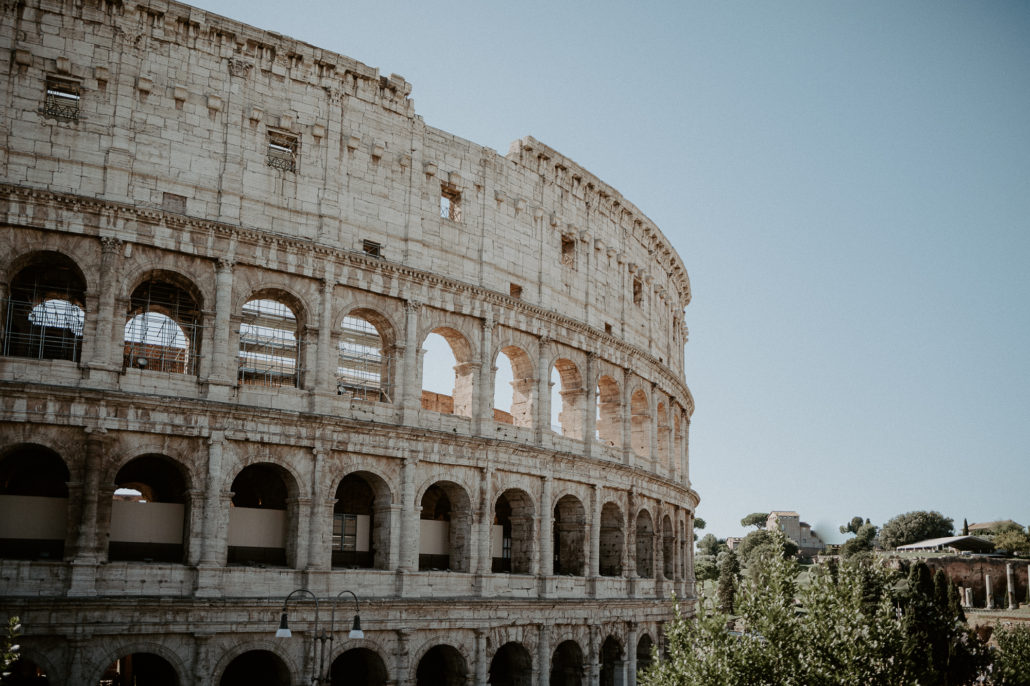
(355, 632)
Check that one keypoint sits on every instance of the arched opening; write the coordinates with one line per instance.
(259, 517)
(567, 665)
(611, 662)
(644, 648)
(444, 392)
(25, 672)
(512, 533)
(441, 666)
(664, 436)
(256, 668)
(567, 399)
(363, 369)
(138, 669)
(609, 412)
(514, 384)
(269, 351)
(668, 548)
(33, 504)
(569, 536)
(148, 512)
(512, 666)
(358, 667)
(612, 541)
(361, 522)
(44, 311)
(445, 532)
(163, 328)
(640, 421)
(645, 545)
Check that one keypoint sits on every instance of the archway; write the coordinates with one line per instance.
(445, 528)
(442, 666)
(567, 665)
(139, 669)
(269, 344)
(256, 668)
(512, 535)
(358, 667)
(611, 662)
(512, 666)
(609, 412)
(148, 512)
(259, 517)
(359, 530)
(25, 672)
(43, 315)
(668, 548)
(163, 327)
(569, 536)
(645, 545)
(644, 648)
(612, 540)
(33, 504)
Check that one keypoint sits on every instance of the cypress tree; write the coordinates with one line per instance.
(729, 570)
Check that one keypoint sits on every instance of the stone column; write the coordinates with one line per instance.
(402, 659)
(989, 589)
(409, 394)
(544, 654)
(631, 653)
(543, 394)
(202, 658)
(595, 533)
(211, 551)
(546, 532)
(409, 518)
(485, 523)
(83, 565)
(484, 409)
(319, 552)
(1010, 587)
(652, 407)
(481, 666)
(222, 356)
(396, 523)
(685, 451)
(631, 536)
(590, 404)
(593, 670)
(322, 379)
(627, 417)
(110, 260)
(969, 596)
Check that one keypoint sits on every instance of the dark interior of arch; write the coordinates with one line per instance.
(358, 667)
(441, 666)
(261, 487)
(38, 472)
(158, 480)
(138, 669)
(256, 668)
(25, 672)
(354, 497)
(511, 666)
(567, 665)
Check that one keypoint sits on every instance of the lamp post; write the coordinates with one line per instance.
(321, 677)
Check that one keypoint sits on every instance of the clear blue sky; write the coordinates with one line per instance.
(848, 184)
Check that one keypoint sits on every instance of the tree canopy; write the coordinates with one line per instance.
(915, 526)
(1013, 538)
(710, 545)
(853, 526)
(755, 519)
(763, 541)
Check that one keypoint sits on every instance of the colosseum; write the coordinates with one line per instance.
(224, 256)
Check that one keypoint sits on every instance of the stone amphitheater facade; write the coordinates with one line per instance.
(222, 251)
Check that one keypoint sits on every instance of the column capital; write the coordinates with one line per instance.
(224, 265)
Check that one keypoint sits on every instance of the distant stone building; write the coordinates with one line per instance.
(801, 533)
(221, 253)
(985, 528)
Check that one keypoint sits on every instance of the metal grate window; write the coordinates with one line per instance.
(163, 329)
(345, 532)
(450, 203)
(360, 367)
(62, 99)
(43, 316)
(269, 346)
(282, 151)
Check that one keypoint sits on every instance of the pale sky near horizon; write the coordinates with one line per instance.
(848, 184)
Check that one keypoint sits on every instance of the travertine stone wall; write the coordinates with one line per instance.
(156, 148)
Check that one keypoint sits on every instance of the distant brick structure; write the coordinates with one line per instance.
(801, 533)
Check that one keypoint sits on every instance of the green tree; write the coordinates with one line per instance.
(915, 526)
(710, 545)
(1013, 538)
(1012, 661)
(9, 649)
(862, 541)
(699, 523)
(729, 570)
(853, 526)
(765, 541)
(705, 569)
(755, 519)
(965, 527)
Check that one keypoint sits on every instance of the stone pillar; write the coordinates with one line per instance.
(969, 596)
(543, 394)
(595, 533)
(631, 653)
(631, 536)
(87, 554)
(485, 523)
(685, 451)
(989, 590)
(202, 658)
(546, 531)
(409, 518)
(402, 659)
(544, 654)
(322, 379)
(483, 411)
(481, 666)
(1010, 587)
(110, 260)
(593, 668)
(590, 404)
(627, 417)
(221, 355)
(395, 522)
(652, 407)
(408, 394)
(210, 551)
(319, 551)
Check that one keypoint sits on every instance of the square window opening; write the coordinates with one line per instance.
(638, 292)
(450, 203)
(62, 99)
(568, 251)
(515, 291)
(282, 151)
(372, 249)
(608, 328)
